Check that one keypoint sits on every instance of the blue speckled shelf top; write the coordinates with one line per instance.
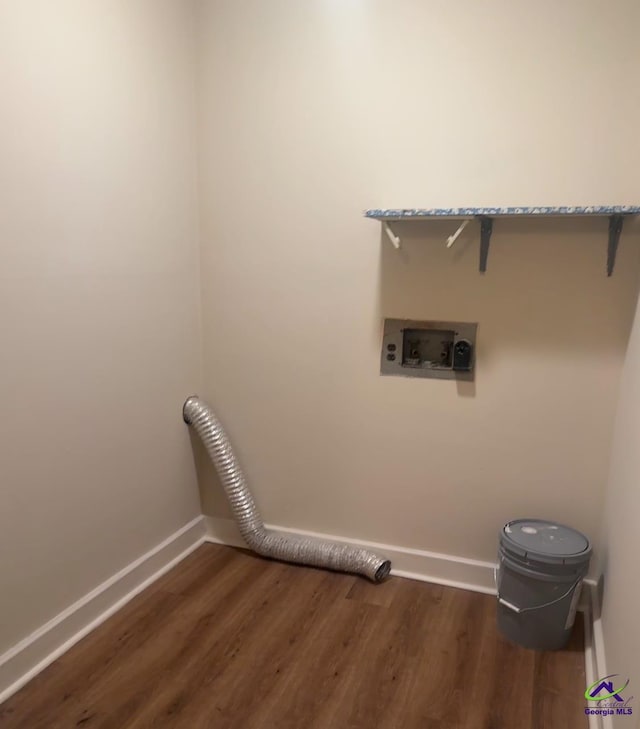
(418, 213)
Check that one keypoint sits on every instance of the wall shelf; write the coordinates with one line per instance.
(615, 213)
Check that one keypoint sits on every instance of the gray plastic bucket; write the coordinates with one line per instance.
(541, 565)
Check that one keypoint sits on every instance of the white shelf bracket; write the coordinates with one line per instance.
(395, 241)
(453, 238)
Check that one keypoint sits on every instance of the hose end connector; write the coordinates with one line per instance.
(185, 408)
(383, 571)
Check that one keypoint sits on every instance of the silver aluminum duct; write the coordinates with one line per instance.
(315, 552)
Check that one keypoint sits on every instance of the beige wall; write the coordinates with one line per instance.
(621, 536)
(312, 112)
(98, 294)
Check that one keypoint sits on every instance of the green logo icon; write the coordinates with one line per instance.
(595, 691)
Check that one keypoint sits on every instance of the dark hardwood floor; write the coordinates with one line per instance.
(227, 640)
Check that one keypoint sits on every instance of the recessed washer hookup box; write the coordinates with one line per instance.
(442, 350)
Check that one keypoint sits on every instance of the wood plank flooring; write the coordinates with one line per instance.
(227, 640)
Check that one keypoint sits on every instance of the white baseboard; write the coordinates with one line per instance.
(414, 564)
(35, 652)
(594, 650)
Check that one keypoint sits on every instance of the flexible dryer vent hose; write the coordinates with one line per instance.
(315, 552)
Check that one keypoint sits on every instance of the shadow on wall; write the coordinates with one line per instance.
(545, 289)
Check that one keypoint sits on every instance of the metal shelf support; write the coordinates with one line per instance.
(486, 228)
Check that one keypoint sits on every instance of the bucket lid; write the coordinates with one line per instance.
(545, 541)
